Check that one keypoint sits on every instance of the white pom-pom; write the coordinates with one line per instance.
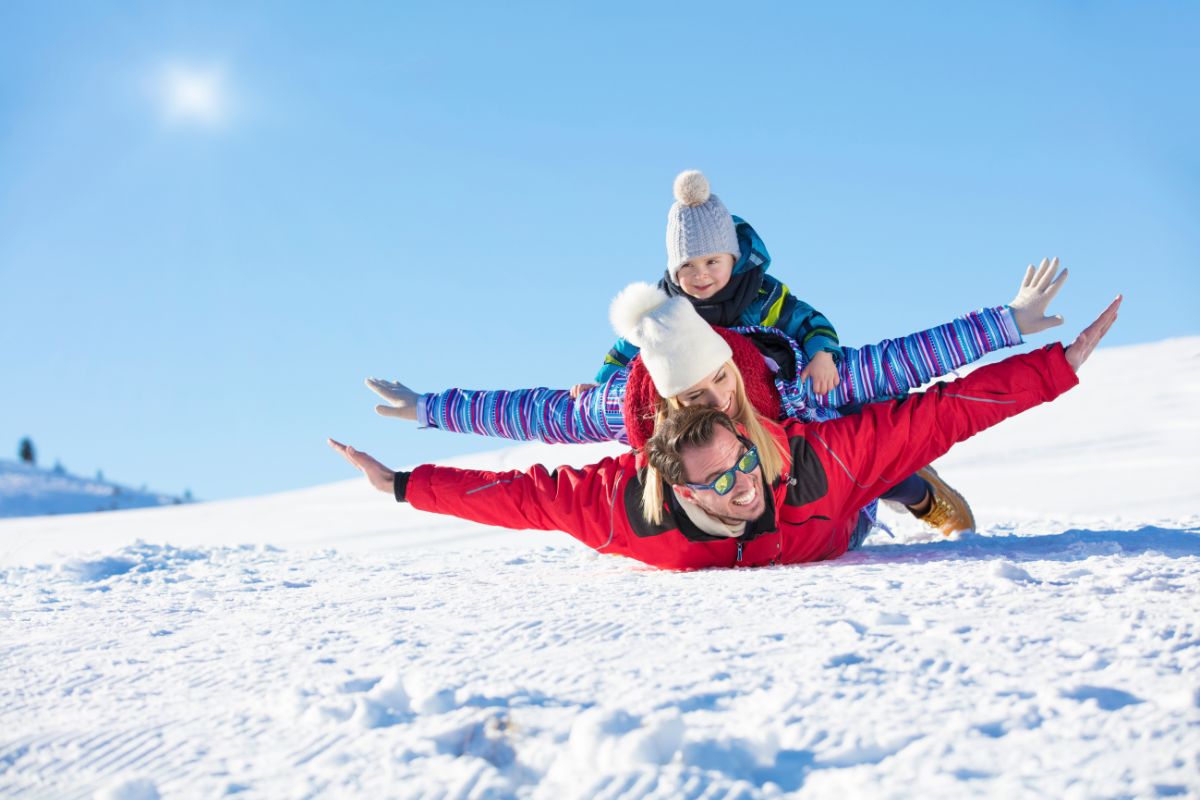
(629, 307)
(691, 188)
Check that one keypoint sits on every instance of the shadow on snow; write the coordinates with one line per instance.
(1071, 545)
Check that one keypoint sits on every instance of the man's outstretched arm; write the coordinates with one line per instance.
(890, 440)
(582, 502)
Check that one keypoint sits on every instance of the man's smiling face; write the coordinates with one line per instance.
(704, 464)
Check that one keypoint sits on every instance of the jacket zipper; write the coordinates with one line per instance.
(739, 552)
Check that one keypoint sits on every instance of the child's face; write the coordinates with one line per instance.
(704, 276)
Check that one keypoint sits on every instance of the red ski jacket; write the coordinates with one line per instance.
(834, 468)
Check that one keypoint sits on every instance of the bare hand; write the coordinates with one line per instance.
(823, 372)
(1037, 290)
(580, 388)
(380, 476)
(402, 401)
(1079, 350)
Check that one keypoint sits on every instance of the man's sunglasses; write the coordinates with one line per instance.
(725, 482)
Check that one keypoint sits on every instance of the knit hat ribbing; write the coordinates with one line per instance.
(698, 224)
(679, 349)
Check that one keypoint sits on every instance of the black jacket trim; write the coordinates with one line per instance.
(809, 482)
(400, 486)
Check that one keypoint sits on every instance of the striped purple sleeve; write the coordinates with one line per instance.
(546, 415)
(894, 367)
(880, 371)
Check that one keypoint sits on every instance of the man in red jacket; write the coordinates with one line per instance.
(720, 511)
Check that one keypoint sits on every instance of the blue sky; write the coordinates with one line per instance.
(217, 219)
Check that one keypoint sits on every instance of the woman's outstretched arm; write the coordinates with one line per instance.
(546, 415)
(894, 367)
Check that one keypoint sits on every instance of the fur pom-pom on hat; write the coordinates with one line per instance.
(691, 188)
(679, 348)
(633, 303)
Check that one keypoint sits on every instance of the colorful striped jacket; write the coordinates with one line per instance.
(774, 307)
(880, 371)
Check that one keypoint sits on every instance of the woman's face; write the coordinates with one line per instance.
(717, 390)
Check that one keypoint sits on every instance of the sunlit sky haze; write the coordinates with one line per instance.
(217, 219)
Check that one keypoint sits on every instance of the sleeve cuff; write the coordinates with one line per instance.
(1061, 374)
(823, 345)
(400, 486)
(1008, 326)
(423, 411)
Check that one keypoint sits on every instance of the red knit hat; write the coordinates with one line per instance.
(641, 396)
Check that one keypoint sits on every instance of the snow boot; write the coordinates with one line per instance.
(949, 511)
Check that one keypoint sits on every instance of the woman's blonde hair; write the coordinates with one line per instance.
(664, 458)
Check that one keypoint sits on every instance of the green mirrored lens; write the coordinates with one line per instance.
(724, 483)
(749, 461)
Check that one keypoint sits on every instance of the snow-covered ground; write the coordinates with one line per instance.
(27, 490)
(331, 642)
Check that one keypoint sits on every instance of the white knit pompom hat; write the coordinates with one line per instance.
(698, 224)
(679, 348)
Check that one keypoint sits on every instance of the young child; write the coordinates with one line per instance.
(719, 263)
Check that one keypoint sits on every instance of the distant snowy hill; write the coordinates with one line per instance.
(27, 491)
(330, 642)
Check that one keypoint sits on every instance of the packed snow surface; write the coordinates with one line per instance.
(330, 642)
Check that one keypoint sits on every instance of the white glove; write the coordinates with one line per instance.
(402, 401)
(1037, 290)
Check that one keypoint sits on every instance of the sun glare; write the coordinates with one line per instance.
(194, 95)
